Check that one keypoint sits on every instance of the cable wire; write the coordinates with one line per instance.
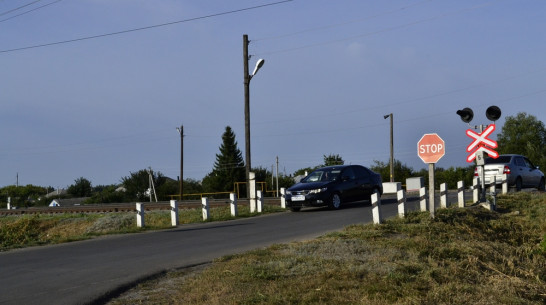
(143, 28)
(29, 11)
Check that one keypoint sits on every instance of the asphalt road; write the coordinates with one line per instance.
(87, 272)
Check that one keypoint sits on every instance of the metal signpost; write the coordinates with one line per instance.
(430, 149)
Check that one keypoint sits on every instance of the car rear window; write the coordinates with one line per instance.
(499, 160)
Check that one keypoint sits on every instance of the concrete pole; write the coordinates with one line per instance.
(233, 204)
(401, 203)
(260, 201)
(443, 195)
(205, 208)
(423, 199)
(140, 215)
(376, 209)
(504, 184)
(476, 189)
(283, 198)
(174, 213)
(460, 193)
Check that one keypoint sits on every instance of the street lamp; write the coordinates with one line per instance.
(247, 78)
(392, 149)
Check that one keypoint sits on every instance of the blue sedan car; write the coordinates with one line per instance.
(334, 185)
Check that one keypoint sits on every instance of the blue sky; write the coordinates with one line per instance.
(104, 107)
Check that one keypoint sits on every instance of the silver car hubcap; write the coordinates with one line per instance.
(336, 201)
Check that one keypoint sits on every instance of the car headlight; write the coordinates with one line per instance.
(288, 193)
(316, 191)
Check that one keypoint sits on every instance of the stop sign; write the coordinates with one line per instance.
(431, 148)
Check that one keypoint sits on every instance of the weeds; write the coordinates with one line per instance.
(25, 231)
(462, 256)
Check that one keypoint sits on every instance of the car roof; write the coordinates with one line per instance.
(336, 166)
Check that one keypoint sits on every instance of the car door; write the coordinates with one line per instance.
(519, 169)
(365, 183)
(532, 174)
(349, 184)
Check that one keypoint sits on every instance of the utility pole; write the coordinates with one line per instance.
(277, 175)
(391, 162)
(247, 113)
(181, 131)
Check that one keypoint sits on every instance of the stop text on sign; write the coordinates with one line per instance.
(430, 148)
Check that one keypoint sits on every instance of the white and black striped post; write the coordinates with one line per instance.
(233, 204)
(423, 199)
(205, 208)
(401, 197)
(376, 209)
(460, 193)
(443, 195)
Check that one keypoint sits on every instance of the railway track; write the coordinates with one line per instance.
(126, 207)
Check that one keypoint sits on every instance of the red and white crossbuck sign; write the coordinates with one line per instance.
(481, 143)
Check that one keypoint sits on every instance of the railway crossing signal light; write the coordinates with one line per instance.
(493, 113)
(466, 114)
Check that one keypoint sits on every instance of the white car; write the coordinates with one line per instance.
(520, 172)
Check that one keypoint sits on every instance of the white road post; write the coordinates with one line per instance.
(423, 199)
(401, 203)
(376, 209)
(174, 213)
(233, 204)
(205, 204)
(443, 195)
(260, 201)
(283, 198)
(460, 193)
(475, 189)
(140, 215)
(504, 184)
(252, 199)
(493, 193)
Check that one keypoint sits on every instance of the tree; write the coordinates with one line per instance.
(81, 188)
(137, 184)
(229, 166)
(525, 135)
(401, 171)
(333, 160)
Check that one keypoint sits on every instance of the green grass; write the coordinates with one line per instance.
(32, 230)
(462, 256)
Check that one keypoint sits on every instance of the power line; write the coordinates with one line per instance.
(325, 27)
(143, 28)
(393, 28)
(18, 8)
(29, 11)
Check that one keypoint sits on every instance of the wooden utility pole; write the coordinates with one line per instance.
(247, 113)
(181, 131)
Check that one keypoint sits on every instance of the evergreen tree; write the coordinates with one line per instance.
(229, 166)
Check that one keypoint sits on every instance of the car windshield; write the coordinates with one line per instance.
(322, 175)
(499, 160)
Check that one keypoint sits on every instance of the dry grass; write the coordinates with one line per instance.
(25, 230)
(463, 256)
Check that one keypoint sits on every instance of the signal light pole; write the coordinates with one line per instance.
(493, 113)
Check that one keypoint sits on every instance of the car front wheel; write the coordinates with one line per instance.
(335, 201)
(541, 185)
